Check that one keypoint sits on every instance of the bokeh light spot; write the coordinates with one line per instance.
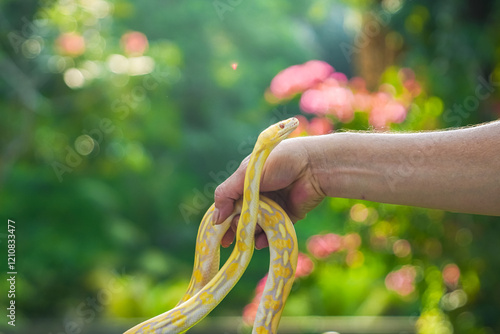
(84, 144)
(71, 44)
(118, 64)
(454, 300)
(140, 65)
(134, 43)
(353, 21)
(92, 69)
(32, 47)
(352, 241)
(74, 78)
(392, 6)
(451, 275)
(401, 248)
(359, 212)
(355, 258)
(99, 8)
(402, 281)
(56, 64)
(67, 7)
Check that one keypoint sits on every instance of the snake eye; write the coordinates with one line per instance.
(282, 126)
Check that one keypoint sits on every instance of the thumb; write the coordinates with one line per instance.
(228, 192)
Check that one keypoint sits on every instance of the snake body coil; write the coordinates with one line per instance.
(208, 285)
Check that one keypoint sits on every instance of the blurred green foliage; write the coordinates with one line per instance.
(108, 163)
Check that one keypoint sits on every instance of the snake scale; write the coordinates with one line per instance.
(209, 285)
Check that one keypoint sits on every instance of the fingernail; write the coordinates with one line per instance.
(215, 217)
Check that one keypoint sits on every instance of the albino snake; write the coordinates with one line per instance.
(209, 286)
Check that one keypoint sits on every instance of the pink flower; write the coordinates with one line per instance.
(250, 312)
(319, 68)
(319, 126)
(71, 44)
(396, 111)
(298, 78)
(362, 101)
(302, 128)
(402, 281)
(329, 98)
(340, 102)
(358, 84)
(329, 82)
(317, 247)
(321, 246)
(333, 241)
(134, 43)
(260, 286)
(380, 99)
(413, 87)
(305, 266)
(340, 77)
(386, 110)
(378, 118)
(382, 116)
(314, 101)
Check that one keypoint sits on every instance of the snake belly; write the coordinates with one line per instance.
(206, 292)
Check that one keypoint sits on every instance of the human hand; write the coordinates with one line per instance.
(287, 178)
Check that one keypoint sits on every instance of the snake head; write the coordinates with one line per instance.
(274, 134)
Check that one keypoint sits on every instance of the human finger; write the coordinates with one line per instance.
(261, 241)
(228, 192)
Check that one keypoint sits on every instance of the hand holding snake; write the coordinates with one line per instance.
(209, 286)
(287, 178)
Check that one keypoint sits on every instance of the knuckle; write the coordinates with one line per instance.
(219, 192)
(244, 163)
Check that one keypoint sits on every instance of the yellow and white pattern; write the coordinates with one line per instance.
(209, 285)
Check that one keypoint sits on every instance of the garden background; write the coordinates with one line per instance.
(119, 118)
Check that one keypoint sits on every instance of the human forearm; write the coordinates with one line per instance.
(457, 170)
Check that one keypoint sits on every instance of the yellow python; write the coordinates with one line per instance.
(209, 286)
